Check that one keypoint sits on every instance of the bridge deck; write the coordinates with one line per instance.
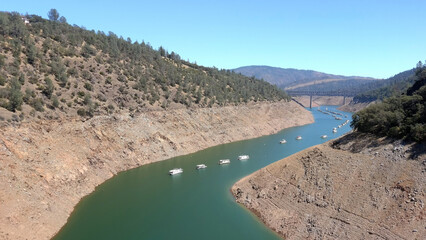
(321, 93)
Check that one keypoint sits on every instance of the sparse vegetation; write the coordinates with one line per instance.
(51, 55)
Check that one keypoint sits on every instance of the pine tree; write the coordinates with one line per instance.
(15, 96)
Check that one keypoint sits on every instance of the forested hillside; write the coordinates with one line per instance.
(402, 116)
(50, 69)
(392, 86)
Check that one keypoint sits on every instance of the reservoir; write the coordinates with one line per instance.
(147, 203)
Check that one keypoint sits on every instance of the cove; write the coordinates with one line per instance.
(147, 203)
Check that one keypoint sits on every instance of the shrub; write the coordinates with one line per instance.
(87, 51)
(2, 80)
(88, 86)
(38, 104)
(87, 99)
(81, 112)
(121, 78)
(86, 75)
(108, 80)
(55, 102)
(15, 96)
(48, 87)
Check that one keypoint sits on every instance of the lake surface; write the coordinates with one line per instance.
(147, 203)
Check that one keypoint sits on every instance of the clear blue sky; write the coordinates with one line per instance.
(376, 38)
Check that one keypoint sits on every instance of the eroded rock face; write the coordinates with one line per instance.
(329, 193)
(46, 167)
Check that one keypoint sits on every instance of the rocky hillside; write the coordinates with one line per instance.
(50, 69)
(356, 187)
(48, 165)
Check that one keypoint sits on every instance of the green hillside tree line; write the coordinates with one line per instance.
(402, 116)
(54, 62)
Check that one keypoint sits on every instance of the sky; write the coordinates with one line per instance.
(372, 38)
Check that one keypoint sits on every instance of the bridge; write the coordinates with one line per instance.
(312, 93)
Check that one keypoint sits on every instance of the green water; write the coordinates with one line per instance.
(147, 203)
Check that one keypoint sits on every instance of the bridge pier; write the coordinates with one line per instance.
(344, 100)
(310, 101)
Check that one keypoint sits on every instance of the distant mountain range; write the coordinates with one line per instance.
(290, 78)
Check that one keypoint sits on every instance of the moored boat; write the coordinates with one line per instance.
(175, 171)
(243, 157)
(224, 161)
(299, 138)
(201, 166)
(324, 136)
(283, 141)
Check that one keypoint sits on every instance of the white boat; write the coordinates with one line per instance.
(224, 161)
(283, 141)
(201, 166)
(299, 138)
(334, 130)
(176, 171)
(324, 136)
(243, 157)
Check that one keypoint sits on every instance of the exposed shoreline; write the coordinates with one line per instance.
(355, 187)
(48, 167)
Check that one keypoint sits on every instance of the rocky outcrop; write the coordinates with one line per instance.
(362, 188)
(47, 167)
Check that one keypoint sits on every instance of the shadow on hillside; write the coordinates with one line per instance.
(356, 142)
(417, 150)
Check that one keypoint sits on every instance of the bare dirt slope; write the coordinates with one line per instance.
(361, 188)
(47, 167)
(355, 107)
